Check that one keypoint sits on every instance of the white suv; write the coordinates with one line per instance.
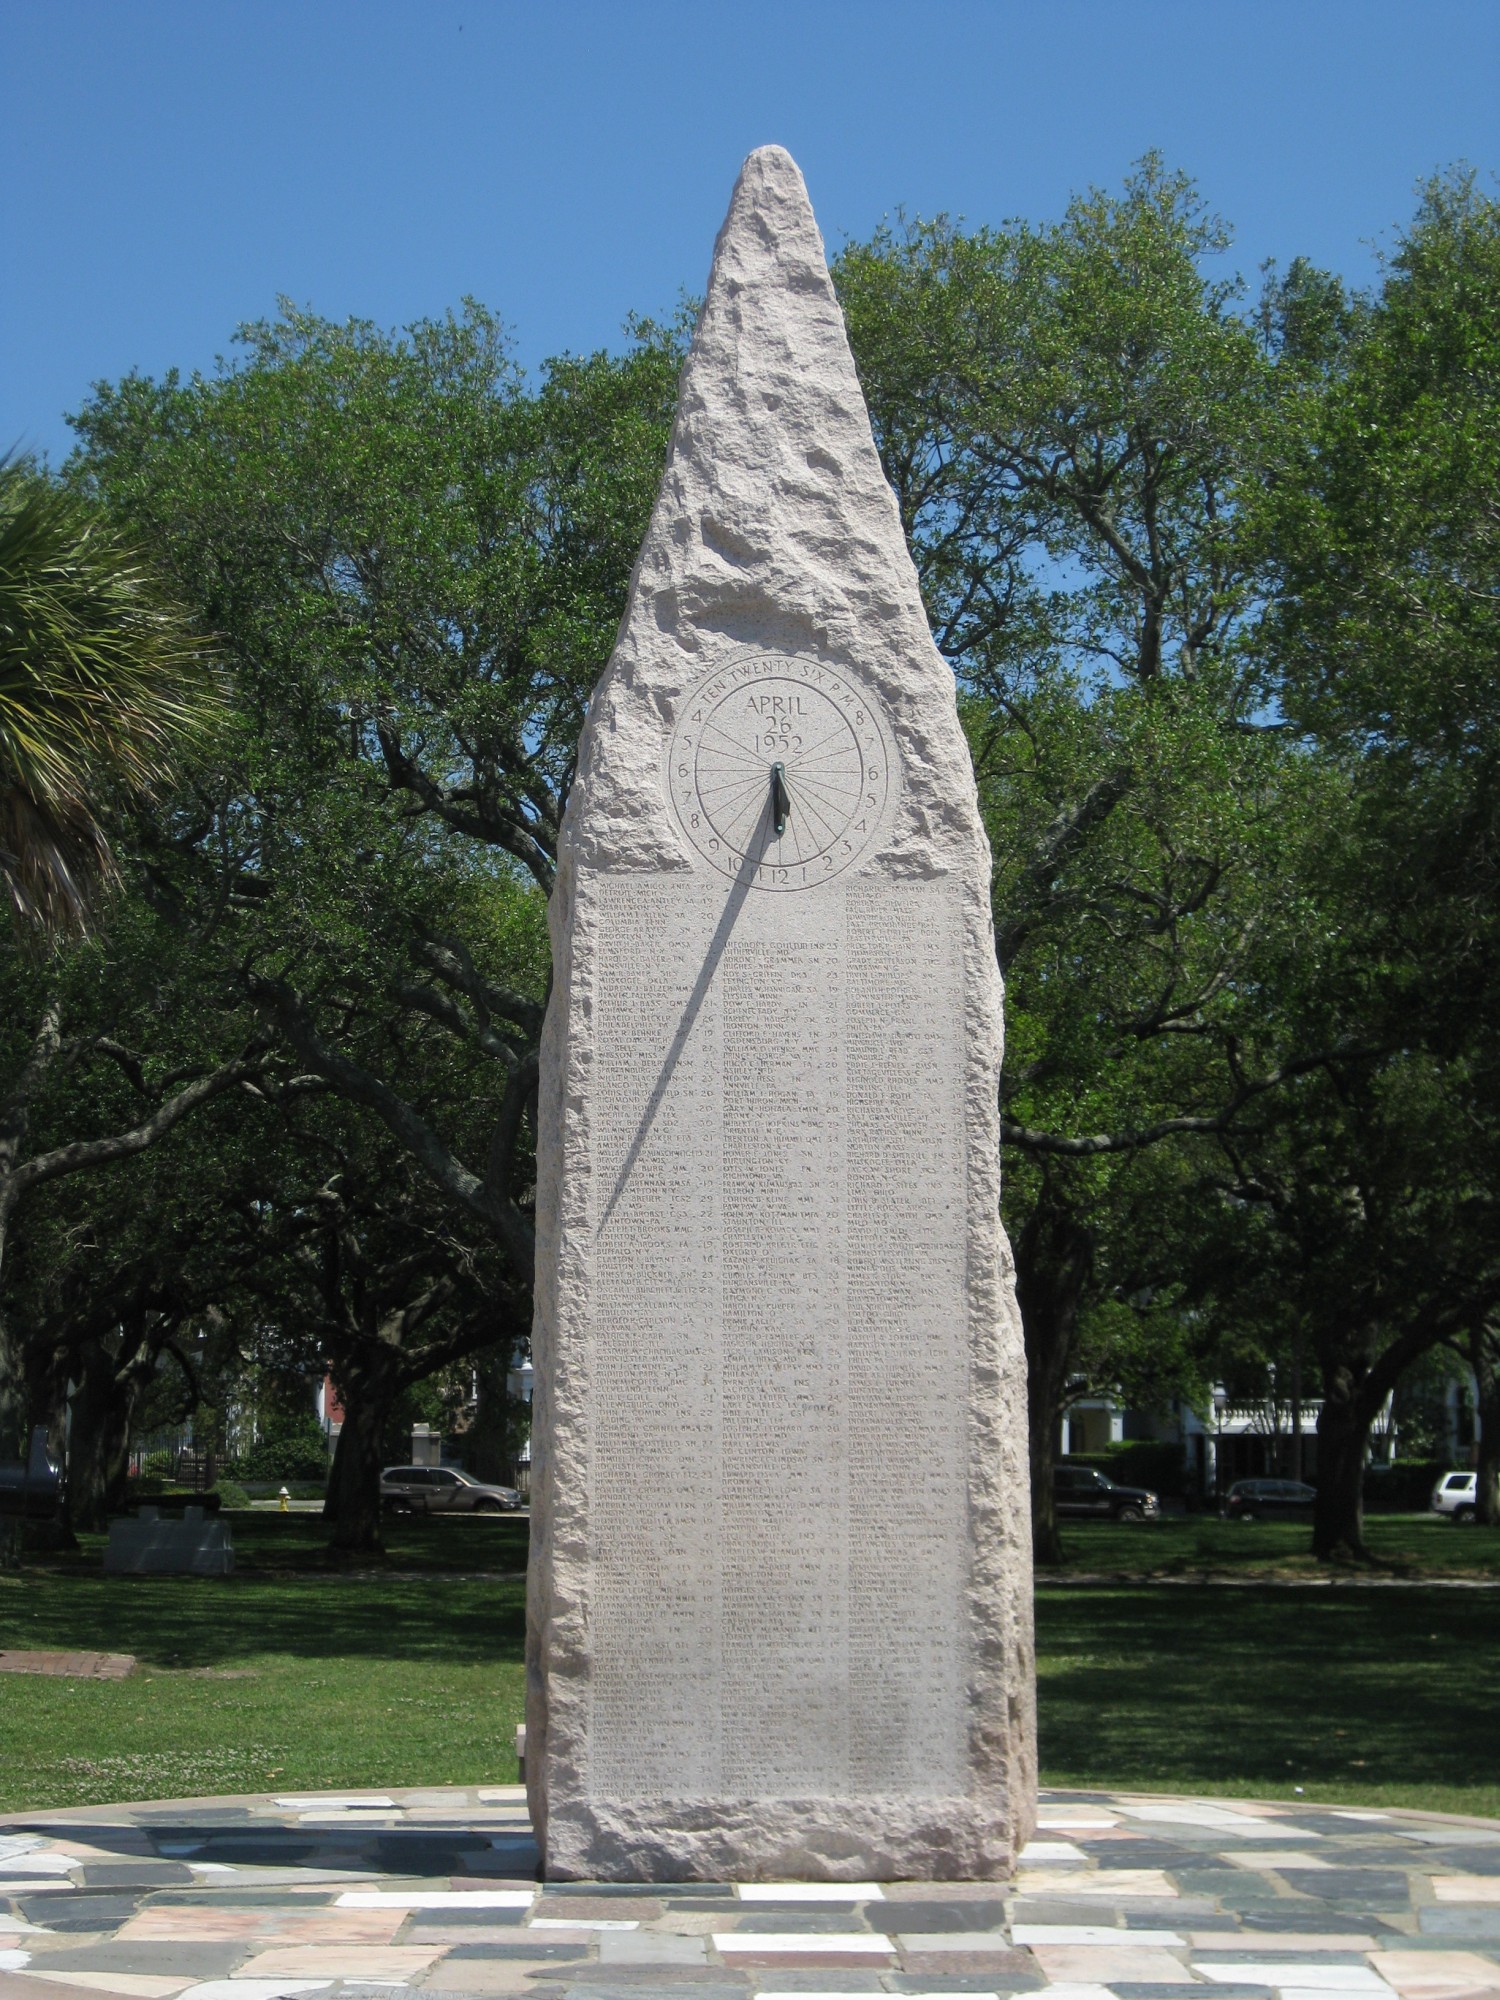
(1456, 1494)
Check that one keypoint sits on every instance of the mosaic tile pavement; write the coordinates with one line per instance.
(432, 1893)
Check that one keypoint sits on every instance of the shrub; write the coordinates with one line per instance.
(287, 1448)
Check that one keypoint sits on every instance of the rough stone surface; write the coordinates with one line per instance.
(779, 1605)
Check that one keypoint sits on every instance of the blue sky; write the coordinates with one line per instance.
(169, 167)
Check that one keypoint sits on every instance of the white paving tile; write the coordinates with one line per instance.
(335, 1801)
(1220, 1819)
(128, 1985)
(1077, 1989)
(435, 1899)
(1061, 1821)
(1035, 1852)
(582, 1923)
(727, 1943)
(1307, 1975)
(809, 1892)
(253, 1989)
(1089, 1934)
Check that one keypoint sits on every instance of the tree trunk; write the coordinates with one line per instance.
(1343, 1435)
(99, 1435)
(1054, 1255)
(353, 1502)
(488, 1443)
(1484, 1357)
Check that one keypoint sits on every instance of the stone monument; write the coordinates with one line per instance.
(779, 1616)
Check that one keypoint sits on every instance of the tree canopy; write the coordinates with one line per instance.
(1217, 579)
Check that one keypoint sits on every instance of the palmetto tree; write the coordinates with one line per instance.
(102, 684)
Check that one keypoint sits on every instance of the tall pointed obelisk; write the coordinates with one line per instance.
(779, 1618)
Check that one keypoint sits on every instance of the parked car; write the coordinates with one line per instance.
(1457, 1495)
(1081, 1491)
(1269, 1500)
(438, 1489)
(34, 1490)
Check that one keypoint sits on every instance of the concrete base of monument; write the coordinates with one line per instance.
(784, 1840)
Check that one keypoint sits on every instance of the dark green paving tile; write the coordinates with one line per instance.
(194, 1961)
(716, 1902)
(1453, 1920)
(158, 1825)
(1145, 1989)
(1463, 1860)
(79, 1912)
(491, 1919)
(557, 1954)
(1374, 1888)
(1320, 1920)
(1095, 1912)
(218, 1898)
(135, 1874)
(963, 1982)
(1234, 1891)
(1159, 1912)
(934, 1916)
(1437, 1943)
(1145, 1854)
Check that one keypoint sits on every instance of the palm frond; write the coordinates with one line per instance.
(103, 688)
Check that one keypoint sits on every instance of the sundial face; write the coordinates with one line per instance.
(781, 769)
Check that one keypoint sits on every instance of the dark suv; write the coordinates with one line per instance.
(1269, 1500)
(1079, 1491)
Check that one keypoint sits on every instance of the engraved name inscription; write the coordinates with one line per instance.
(777, 1352)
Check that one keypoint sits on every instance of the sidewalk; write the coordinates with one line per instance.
(433, 1893)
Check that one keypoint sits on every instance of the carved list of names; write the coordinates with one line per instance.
(777, 1355)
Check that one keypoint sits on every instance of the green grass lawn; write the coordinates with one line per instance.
(294, 1675)
(1192, 1544)
(285, 1676)
(1364, 1696)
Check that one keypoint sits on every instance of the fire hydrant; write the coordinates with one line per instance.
(284, 1500)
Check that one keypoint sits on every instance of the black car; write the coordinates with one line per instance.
(1078, 1491)
(1269, 1500)
(34, 1490)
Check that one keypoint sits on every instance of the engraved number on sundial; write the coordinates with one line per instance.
(782, 769)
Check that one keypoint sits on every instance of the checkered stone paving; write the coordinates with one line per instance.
(433, 1893)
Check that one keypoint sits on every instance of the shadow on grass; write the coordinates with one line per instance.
(187, 1622)
(1191, 1689)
